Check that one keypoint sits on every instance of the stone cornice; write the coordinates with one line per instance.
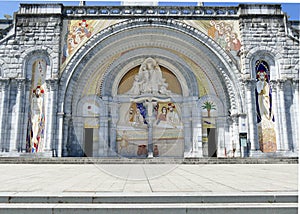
(149, 11)
(121, 11)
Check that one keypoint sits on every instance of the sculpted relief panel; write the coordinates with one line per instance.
(150, 116)
(149, 80)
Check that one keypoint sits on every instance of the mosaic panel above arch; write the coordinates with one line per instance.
(205, 51)
(77, 32)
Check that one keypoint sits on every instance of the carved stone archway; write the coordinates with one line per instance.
(112, 48)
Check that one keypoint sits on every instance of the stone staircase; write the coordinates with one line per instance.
(266, 203)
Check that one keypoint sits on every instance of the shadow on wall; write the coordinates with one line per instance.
(74, 148)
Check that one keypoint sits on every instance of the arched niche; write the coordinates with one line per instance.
(270, 57)
(29, 61)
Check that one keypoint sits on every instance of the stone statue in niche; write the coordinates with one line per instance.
(149, 80)
(263, 90)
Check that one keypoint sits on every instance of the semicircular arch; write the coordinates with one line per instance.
(221, 60)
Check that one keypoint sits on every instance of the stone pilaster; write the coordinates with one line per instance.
(3, 111)
(295, 111)
(251, 109)
(50, 116)
(282, 111)
(14, 143)
(275, 111)
(25, 115)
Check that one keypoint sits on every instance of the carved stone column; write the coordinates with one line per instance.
(275, 107)
(61, 147)
(220, 122)
(16, 133)
(103, 137)
(282, 112)
(186, 120)
(251, 111)
(103, 131)
(62, 143)
(197, 130)
(3, 112)
(113, 127)
(235, 135)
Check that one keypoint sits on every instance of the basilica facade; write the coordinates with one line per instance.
(149, 81)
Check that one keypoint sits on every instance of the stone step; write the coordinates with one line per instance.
(210, 203)
(180, 208)
(87, 160)
(96, 198)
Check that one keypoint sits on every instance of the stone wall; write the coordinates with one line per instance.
(269, 32)
(36, 33)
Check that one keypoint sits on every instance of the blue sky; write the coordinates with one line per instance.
(290, 7)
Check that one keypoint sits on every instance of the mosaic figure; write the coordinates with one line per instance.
(265, 117)
(36, 119)
(124, 142)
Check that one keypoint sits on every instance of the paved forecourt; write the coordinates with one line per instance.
(117, 185)
(147, 178)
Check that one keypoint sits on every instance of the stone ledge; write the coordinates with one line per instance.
(111, 160)
(186, 197)
(215, 208)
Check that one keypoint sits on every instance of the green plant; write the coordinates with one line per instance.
(208, 106)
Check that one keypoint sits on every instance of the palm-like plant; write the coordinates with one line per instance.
(208, 106)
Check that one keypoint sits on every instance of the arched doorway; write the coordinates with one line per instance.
(107, 70)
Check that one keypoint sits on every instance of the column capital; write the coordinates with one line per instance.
(281, 84)
(20, 83)
(295, 82)
(60, 113)
(235, 118)
(249, 83)
(4, 83)
(274, 84)
(52, 84)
